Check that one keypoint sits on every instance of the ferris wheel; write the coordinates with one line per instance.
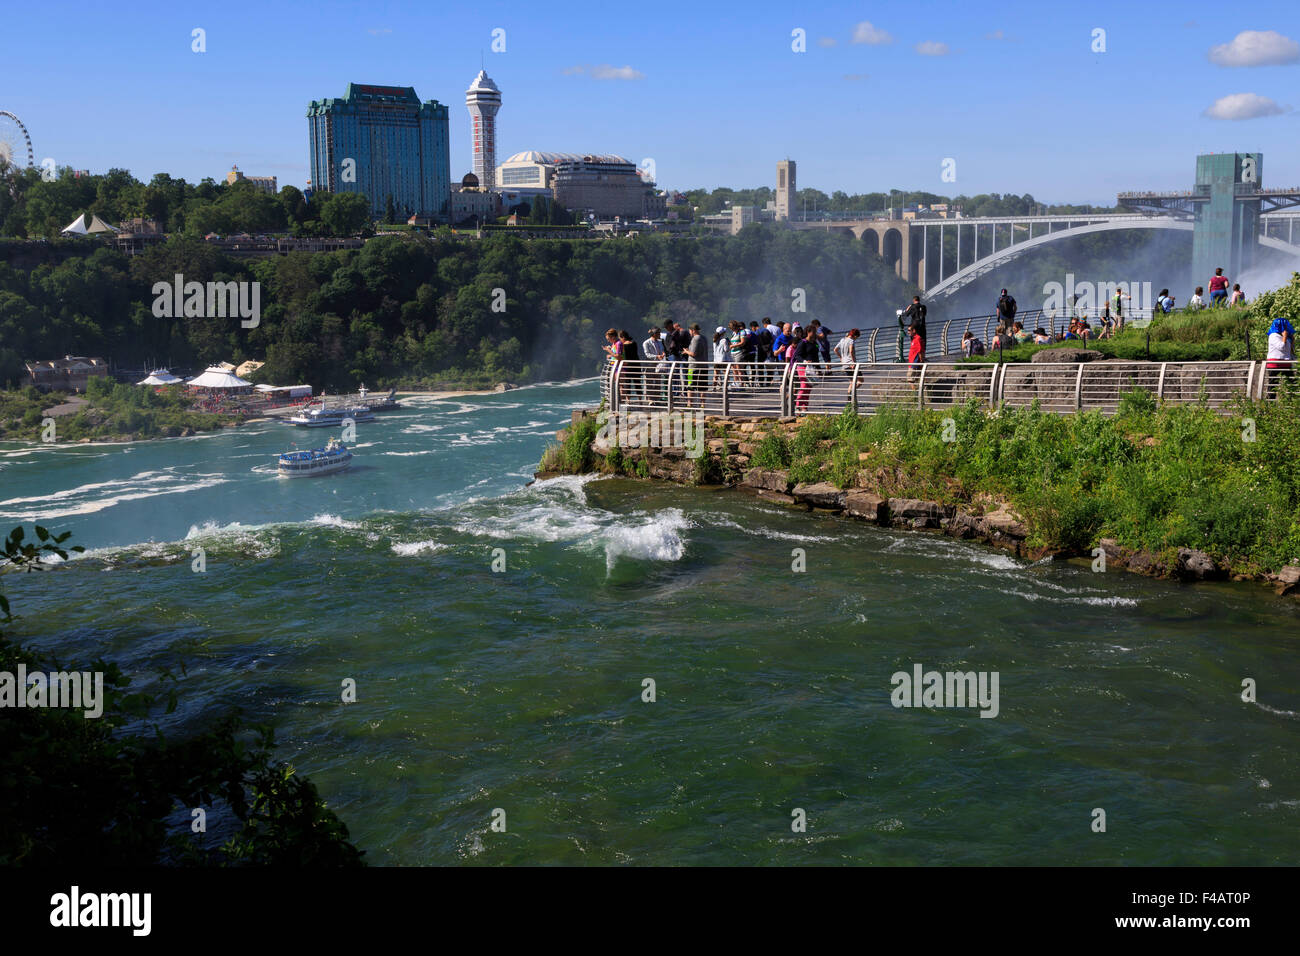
(14, 141)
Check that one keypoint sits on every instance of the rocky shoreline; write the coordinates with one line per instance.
(986, 521)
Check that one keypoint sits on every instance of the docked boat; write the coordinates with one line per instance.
(335, 456)
(323, 417)
(388, 403)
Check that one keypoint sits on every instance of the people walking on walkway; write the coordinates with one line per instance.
(847, 350)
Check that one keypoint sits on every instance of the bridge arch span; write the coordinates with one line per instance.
(952, 283)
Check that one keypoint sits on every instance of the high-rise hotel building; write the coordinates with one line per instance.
(483, 99)
(382, 141)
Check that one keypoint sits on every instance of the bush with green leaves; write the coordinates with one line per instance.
(117, 790)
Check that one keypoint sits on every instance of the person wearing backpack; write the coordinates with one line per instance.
(1006, 308)
(915, 316)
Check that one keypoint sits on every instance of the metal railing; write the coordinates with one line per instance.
(783, 389)
(880, 343)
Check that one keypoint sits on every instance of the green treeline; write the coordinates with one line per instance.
(816, 201)
(31, 207)
(412, 310)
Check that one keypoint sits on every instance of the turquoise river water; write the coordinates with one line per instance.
(522, 689)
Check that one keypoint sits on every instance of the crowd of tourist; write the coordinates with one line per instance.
(756, 355)
(753, 355)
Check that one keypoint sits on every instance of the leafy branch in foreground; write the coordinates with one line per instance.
(118, 791)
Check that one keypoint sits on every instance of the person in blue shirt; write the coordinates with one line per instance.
(782, 342)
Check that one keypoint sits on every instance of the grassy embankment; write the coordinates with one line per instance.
(1215, 334)
(113, 410)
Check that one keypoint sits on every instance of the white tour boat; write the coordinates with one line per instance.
(335, 456)
(323, 417)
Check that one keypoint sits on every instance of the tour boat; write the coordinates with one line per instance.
(386, 404)
(335, 456)
(331, 417)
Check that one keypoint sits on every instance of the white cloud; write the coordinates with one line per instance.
(932, 48)
(864, 32)
(606, 72)
(825, 41)
(1256, 48)
(1242, 106)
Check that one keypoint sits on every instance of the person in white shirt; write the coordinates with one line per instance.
(1196, 302)
(1281, 344)
(652, 350)
(847, 348)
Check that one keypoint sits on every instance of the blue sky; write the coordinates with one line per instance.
(713, 93)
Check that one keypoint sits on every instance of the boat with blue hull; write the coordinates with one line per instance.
(334, 457)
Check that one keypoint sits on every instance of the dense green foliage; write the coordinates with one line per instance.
(116, 791)
(112, 409)
(417, 310)
(33, 207)
(1152, 478)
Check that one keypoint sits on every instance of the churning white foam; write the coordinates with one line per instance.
(655, 537)
(99, 495)
(408, 549)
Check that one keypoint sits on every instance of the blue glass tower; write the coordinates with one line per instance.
(382, 141)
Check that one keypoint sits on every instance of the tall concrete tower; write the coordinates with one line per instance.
(785, 188)
(483, 100)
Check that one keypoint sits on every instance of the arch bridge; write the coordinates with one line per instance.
(943, 255)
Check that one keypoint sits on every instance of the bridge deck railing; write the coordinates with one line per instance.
(781, 389)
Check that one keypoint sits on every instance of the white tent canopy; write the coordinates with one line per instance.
(79, 227)
(160, 377)
(217, 377)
